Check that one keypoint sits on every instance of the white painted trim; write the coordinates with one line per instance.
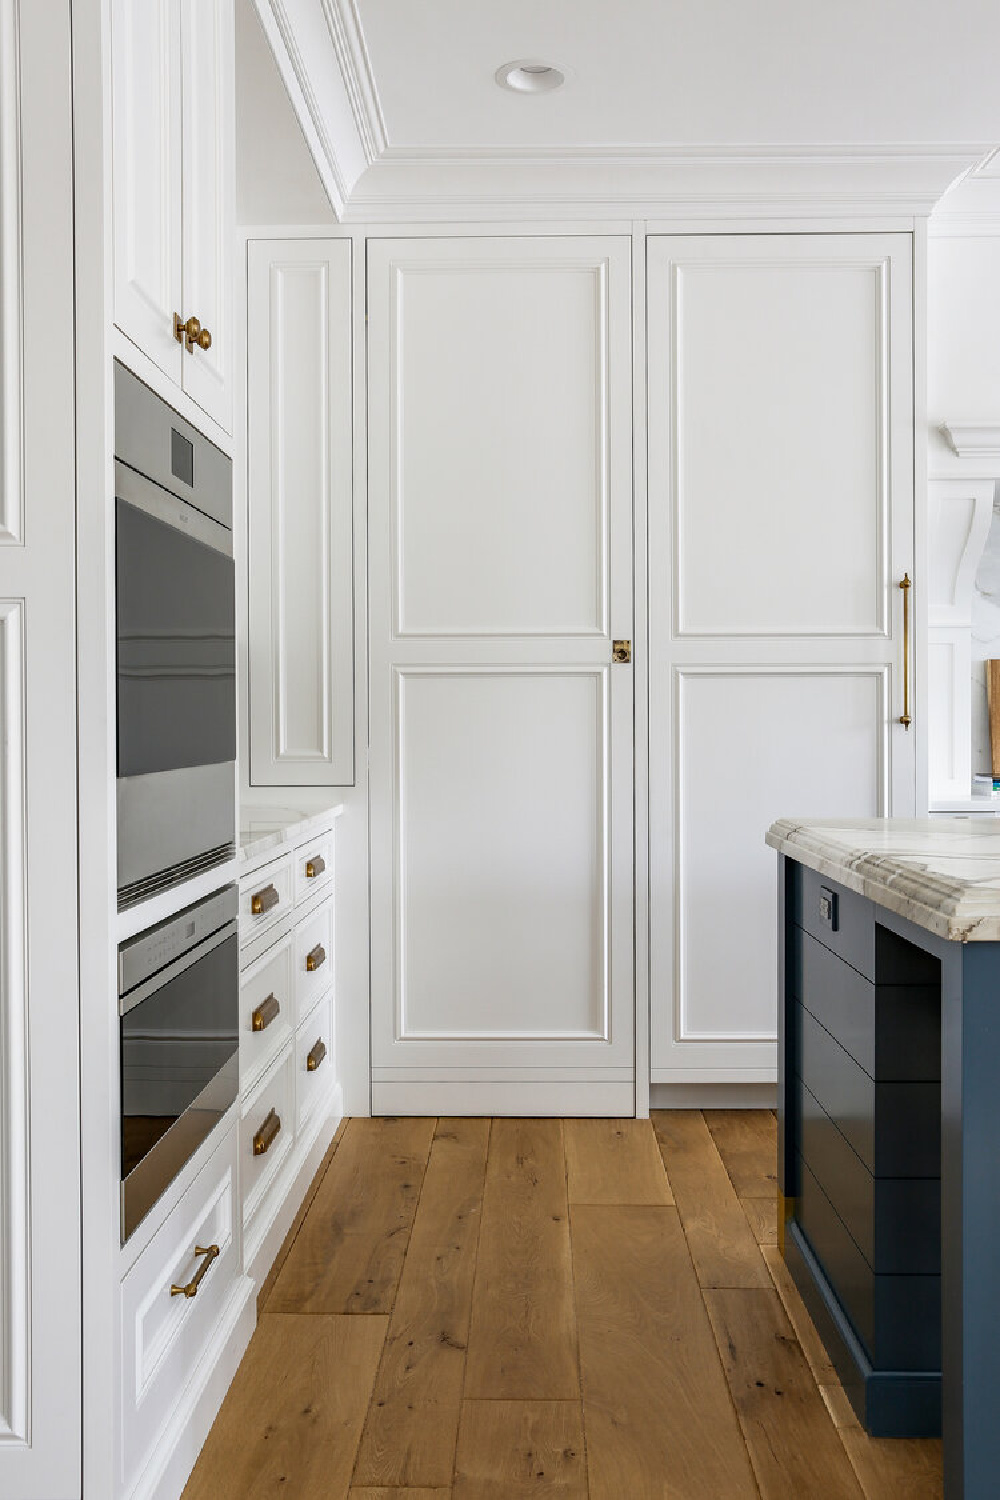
(975, 440)
(355, 65)
(11, 437)
(920, 509)
(598, 1097)
(708, 1095)
(640, 670)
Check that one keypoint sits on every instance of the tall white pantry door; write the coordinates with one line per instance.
(500, 557)
(780, 420)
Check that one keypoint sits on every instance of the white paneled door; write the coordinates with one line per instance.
(500, 547)
(780, 421)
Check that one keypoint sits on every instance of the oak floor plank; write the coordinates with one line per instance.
(747, 1141)
(723, 1248)
(412, 1426)
(810, 1342)
(349, 1253)
(522, 1337)
(893, 1469)
(614, 1161)
(763, 1216)
(513, 1449)
(794, 1447)
(393, 1493)
(657, 1413)
(292, 1419)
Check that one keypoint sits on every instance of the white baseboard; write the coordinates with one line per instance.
(512, 1096)
(174, 1455)
(713, 1095)
(274, 1217)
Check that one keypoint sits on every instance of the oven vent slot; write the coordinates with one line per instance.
(164, 880)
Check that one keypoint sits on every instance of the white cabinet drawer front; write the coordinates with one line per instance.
(315, 1065)
(313, 959)
(163, 1334)
(314, 866)
(267, 1130)
(265, 897)
(267, 1011)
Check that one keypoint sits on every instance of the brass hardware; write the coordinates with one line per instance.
(267, 1133)
(189, 333)
(316, 1056)
(264, 900)
(315, 958)
(904, 717)
(203, 339)
(315, 866)
(265, 1013)
(621, 651)
(190, 1288)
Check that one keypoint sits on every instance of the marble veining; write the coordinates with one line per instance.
(943, 874)
(265, 829)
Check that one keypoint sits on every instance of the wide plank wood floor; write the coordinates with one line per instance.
(592, 1310)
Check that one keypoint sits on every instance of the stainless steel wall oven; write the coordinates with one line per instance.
(178, 1002)
(176, 646)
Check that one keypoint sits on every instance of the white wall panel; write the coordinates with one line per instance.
(11, 504)
(300, 498)
(502, 892)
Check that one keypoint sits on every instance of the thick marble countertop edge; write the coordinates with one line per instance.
(942, 874)
(266, 830)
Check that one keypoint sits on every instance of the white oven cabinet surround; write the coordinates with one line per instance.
(781, 461)
(173, 153)
(40, 1294)
(300, 482)
(291, 1100)
(501, 756)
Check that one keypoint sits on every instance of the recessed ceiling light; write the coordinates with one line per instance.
(528, 76)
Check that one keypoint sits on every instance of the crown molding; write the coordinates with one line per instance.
(348, 38)
(978, 441)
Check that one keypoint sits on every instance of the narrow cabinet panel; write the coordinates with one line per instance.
(300, 483)
(209, 174)
(146, 67)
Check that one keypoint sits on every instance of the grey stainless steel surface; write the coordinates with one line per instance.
(149, 435)
(168, 942)
(167, 816)
(158, 1168)
(163, 506)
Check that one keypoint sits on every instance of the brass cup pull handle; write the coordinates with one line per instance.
(315, 958)
(265, 1013)
(264, 900)
(316, 1056)
(267, 1134)
(315, 866)
(190, 1288)
(904, 717)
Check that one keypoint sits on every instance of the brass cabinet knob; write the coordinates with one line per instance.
(203, 339)
(267, 1134)
(315, 958)
(189, 332)
(265, 1013)
(315, 1056)
(190, 1288)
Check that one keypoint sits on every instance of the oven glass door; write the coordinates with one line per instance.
(176, 647)
(179, 1071)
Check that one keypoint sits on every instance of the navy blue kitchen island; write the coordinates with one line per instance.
(889, 1120)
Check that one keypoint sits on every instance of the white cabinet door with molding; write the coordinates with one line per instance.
(301, 637)
(780, 420)
(500, 561)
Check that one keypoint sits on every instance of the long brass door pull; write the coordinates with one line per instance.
(190, 1288)
(904, 717)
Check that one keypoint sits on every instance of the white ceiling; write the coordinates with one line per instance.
(655, 73)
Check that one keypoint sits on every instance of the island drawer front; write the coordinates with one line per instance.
(897, 1318)
(270, 890)
(314, 866)
(266, 1139)
(892, 1030)
(895, 1222)
(270, 976)
(313, 959)
(314, 1040)
(845, 924)
(895, 1128)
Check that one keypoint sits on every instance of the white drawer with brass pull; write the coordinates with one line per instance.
(267, 1010)
(267, 1130)
(313, 959)
(313, 866)
(314, 1061)
(265, 898)
(171, 1301)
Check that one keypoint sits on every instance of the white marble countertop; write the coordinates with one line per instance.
(264, 830)
(941, 873)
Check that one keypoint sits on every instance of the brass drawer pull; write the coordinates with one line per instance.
(264, 900)
(190, 1288)
(267, 1133)
(315, 866)
(316, 1056)
(265, 1013)
(315, 958)
(904, 717)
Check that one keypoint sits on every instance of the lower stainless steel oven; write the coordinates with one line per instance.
(178, 1000)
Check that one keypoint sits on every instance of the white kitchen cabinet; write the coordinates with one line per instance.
(780, 421)
(173, 68)
(301, 640)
